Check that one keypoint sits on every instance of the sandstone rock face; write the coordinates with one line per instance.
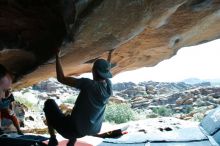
(142, 32)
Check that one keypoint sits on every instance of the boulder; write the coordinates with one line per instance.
(150, 89)
(123, 86)
(117, 99)
(180, 101)
(189, 101)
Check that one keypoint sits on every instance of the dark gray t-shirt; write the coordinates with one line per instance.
(88, 112)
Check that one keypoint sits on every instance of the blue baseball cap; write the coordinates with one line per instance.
(102, 67)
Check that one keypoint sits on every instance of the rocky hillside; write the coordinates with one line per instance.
(129, 89)
(149, 99)
(181, 100)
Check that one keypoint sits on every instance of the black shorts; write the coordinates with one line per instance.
(63, 124)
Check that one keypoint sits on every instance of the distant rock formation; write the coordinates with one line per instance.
(181, 100)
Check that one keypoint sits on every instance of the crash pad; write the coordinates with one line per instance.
(211, 123)
(183, 135)
(216, 137)
(196, 143)
(24, 140)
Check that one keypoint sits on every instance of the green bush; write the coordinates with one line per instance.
(71, 99)
(119, 113)
(198, 117)
(152, 116)
(162, 111)
(188, 109)
(27, 103)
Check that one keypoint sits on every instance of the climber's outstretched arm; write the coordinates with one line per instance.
(70, 81)
(110, 56)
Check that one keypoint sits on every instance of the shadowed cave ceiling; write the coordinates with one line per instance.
(141, 32)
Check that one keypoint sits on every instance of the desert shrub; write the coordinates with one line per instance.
(27, 103)
(162, 111)
(152, 116)
(198, 117)
(188, 109)
(119, 113)
(71, 99)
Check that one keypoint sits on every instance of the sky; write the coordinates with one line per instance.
(201, 61)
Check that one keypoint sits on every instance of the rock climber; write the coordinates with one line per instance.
(87, 115)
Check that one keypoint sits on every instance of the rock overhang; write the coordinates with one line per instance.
(142, 33)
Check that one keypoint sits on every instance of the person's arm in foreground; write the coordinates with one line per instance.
(70, 81)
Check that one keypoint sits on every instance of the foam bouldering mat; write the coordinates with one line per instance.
(216, 137)
(195, 143)
(24, 140)
(183, 135)
(198, 143)
(211, 123)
